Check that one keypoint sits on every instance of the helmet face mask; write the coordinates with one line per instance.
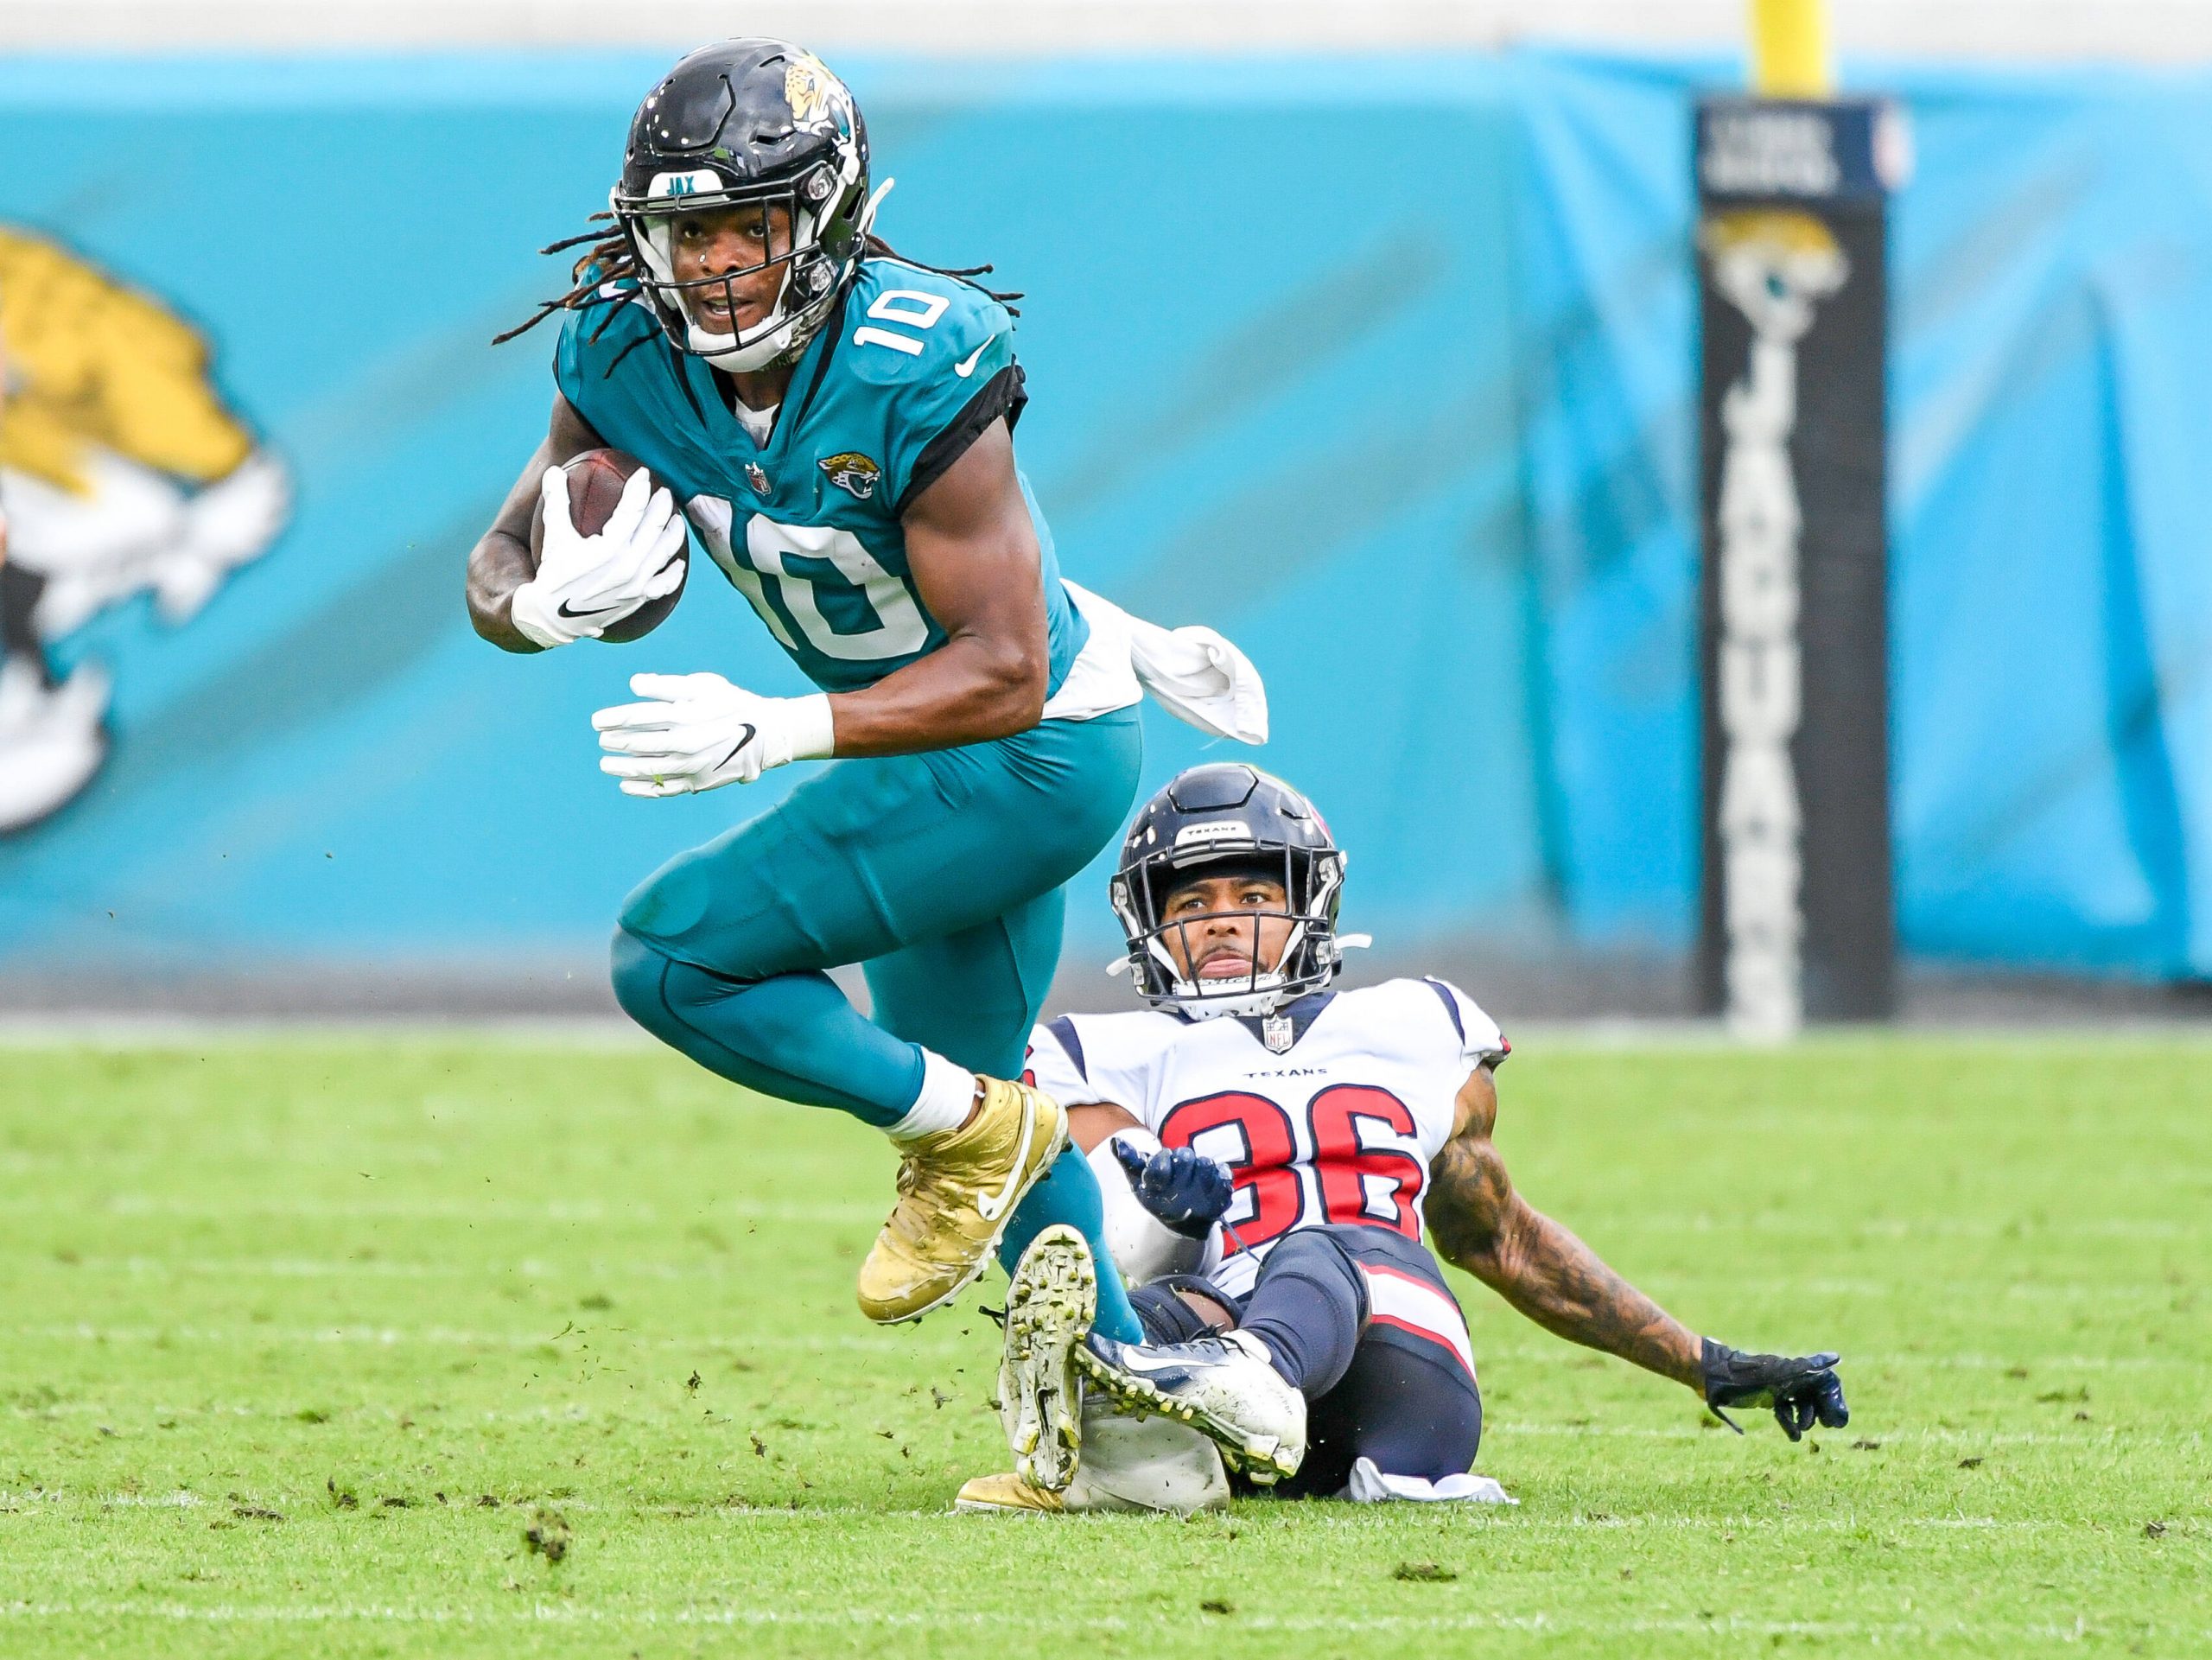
(1229, 819)
(751, 125)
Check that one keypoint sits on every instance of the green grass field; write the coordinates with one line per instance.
(303, 1337)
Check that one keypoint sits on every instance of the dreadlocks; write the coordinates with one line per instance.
(609, 257)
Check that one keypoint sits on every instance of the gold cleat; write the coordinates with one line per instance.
(958, 1190)
(1007, 1495)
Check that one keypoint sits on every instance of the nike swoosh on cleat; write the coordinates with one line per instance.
(751, 731)
(963, 370)
(1130, 1360)
(991, 1209)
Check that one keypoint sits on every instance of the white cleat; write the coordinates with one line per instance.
(1129, 1464)
(1144, 1464)
(1224, 1387)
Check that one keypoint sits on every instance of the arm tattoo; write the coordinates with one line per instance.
(1542, 1269)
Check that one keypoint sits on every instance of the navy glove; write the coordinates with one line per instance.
(1803, 1391)
(1187, 1190)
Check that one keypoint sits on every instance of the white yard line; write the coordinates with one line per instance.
(1918, 1227)
(572, 1614)
(2092, 1436)
(466, 1211)
(616, 1268)
(183, 1032)
(62, 1030)
(592, 1210)
(2044, 1367)
(451, 1337)
(311, 1505)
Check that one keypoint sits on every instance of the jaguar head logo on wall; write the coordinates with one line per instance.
(122, 471)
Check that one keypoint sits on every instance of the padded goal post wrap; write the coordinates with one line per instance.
(1797, 917)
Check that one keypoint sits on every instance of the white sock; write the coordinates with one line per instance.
(948, 1092)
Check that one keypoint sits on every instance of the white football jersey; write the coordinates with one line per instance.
(1338, 1127)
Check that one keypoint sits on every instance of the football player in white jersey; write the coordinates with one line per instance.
(1279, 1147)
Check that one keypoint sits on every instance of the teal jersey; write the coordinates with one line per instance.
(892, 390)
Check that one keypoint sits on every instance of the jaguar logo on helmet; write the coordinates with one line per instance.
(853, 472)
(814, 93)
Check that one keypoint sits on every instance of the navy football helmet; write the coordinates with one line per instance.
(739, 123)
(1224, 819)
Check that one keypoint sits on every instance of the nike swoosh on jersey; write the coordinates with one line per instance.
(963, 370)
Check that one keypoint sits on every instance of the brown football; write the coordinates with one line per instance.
(595, 481)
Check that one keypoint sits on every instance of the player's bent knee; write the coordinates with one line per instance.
(640, 978)
(683, 1004)
(1315, 1254)
(1422, 1416)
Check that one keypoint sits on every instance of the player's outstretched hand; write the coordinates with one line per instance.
(1803, 1391)
(699, 732)
(585, 584)
(1188, 1192)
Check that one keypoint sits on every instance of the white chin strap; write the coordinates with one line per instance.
(874, 202)
(1264, 998)
(723, 352)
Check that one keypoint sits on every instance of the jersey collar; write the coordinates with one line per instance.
(806, 381)
(1281, 1032)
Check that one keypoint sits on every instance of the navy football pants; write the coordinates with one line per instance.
(1407, 1398)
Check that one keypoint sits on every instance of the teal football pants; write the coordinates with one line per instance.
(943, 875)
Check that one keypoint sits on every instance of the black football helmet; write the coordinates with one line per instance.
(1220, 819)
(737, 123)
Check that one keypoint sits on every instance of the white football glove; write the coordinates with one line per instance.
(700, 732)
(586, 583)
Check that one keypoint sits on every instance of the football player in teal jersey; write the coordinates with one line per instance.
(836, 425)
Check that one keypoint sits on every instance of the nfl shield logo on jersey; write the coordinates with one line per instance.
(757, 477)
(853, 472)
